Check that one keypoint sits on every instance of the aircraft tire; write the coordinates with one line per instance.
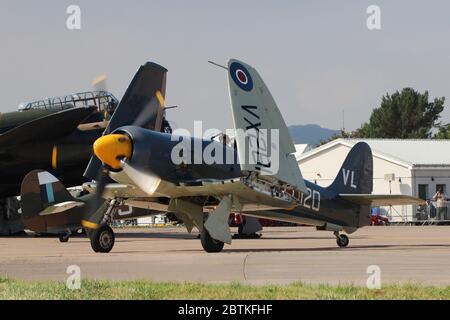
(102, 239)
(63, 238)
(209, 244)
(342, 241)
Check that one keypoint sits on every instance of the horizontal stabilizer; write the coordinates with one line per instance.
(382, 200)
(48, 127)
(61, 207)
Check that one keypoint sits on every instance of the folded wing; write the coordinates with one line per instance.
(262, 137)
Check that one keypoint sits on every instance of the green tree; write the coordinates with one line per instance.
(443, 133)
(404, 115)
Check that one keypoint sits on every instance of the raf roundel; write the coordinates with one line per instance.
(241, 76)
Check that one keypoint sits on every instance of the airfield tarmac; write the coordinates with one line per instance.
(419, 255)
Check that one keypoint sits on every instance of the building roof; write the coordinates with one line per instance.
(300, 149)
(409, 152)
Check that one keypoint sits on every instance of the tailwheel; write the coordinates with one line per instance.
(63, 238)
(209, 244)
(342, 240)
(102, 239)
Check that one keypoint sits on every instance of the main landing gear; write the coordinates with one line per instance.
(102, 239)
(341, 239)
(209, 244)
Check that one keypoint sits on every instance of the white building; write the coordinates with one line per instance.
(301, 149)
(420, 168)
(152, 220)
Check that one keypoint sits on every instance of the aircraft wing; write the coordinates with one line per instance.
(141, 94)
(382, 200)
(249, 198)
(140, 106)
(260, 125)
(48, 127)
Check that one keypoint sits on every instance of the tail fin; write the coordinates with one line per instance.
(41, 190)
(356, 174)
(255, 116)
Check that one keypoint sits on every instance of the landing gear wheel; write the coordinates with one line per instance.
(102, 239)
(342, 241)
(63, 238)
(209, 244)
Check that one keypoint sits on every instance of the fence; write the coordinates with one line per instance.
(428, 214)
(431, 213)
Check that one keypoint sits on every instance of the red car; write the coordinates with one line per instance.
(378, 220)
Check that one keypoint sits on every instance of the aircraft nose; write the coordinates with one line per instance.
(110, 149)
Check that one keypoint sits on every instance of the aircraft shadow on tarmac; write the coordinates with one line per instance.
(305, 238)
(144, 235)
(138, 235)
(133, 237)
(321, 249)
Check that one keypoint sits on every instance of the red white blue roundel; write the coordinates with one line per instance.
(241, 76)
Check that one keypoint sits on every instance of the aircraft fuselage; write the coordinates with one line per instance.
(321, 207)
(157, 152)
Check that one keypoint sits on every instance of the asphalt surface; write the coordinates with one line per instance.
(283, 255)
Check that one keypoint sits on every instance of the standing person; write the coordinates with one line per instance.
(440, 199)
(430, 210)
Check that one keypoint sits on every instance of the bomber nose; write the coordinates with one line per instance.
(110, 149)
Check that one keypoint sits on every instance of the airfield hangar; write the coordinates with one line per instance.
(410, 167)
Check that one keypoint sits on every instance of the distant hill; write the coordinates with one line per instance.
(310, 134)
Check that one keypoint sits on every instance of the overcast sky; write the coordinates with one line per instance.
(317, 57)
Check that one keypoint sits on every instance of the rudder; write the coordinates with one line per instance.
(39, 190)
(356, 173)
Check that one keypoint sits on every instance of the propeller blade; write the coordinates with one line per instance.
(161, 111)
(100, 83)
(92, 221)
(148, 113)
(97, 206)
(146, 181)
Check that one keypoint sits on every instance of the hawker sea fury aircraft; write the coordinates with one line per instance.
(203, 181)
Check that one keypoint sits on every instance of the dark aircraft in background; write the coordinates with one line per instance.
(142, 102)
(55, 134)
(204, 194)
